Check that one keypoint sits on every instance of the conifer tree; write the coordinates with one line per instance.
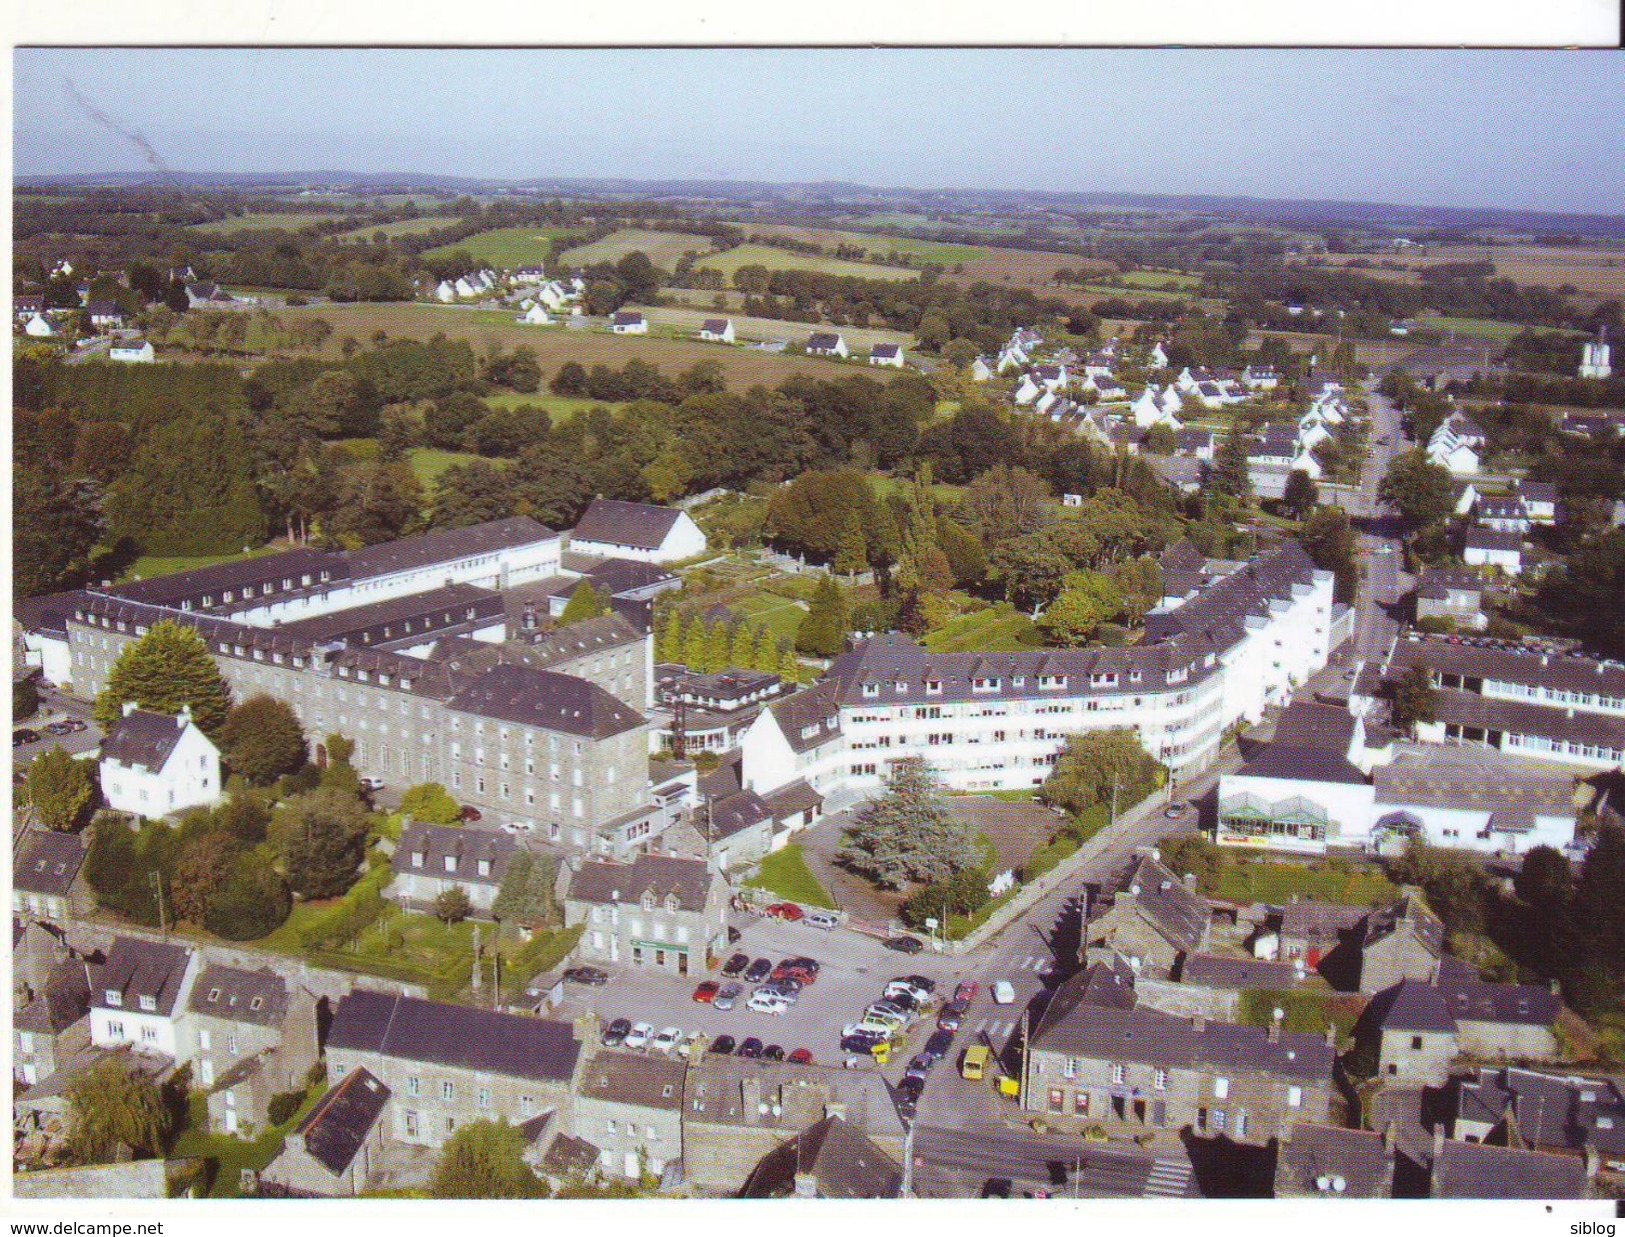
(168, 667)
(585, 603)
(694, 645)
(716, 647)
(742, 651)
(671, 643)
(851, 554)
(823, 628)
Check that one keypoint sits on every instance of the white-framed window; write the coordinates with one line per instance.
(1221, 1087)
(414, 1085)
(1160, 1080)
(448, 1091)
(1294, 1097)
(1117, 1074)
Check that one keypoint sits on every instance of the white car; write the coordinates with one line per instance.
(868, 1027)
(1004, 993)
(667, 1039)
(888, 1017)
(639, 1036)
(919, 992)
(767, 1003)
(372, 783)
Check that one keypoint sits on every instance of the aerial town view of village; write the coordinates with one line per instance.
(1059, 654)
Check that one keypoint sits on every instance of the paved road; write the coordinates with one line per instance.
(55, 706)
(955, 1165)
(1384, 582)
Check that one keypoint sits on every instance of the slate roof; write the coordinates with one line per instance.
(842, 1160)
(627, 317)
(47, 862)
(626, 575)
(1550, 1110)
(64, 1000)
(822, 340)
(284, 571)
(1479, 1170)
(1219, 612)
(512, 1045)
(142, 738)
(1314, 1152)
(1311, 744)
(238, 995)
(335, 1129)
(445, 545)
(809, 718)
(437, 609)
(48, 613)
(1181, 565)
(634, 1078)
(1480, 538)
(1239, 974)
(570, 1156)
(560, 644)
(1080, 1027)
(613, 522)
(733, 814)
(1320, 924)
(1537, 491)
(1425, 926)
(1437, 583)
(547, 700)
(728, 1091)
(135, 968)
(1180, 914)
(714, 326)
(1483, 660)
(596, 882)
(1458, 995)
(463, 847)
(1511, 791)
(885, 350)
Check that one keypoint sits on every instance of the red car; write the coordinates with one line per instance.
(706, 992)
(800, 1056)
(966, 992)
(469, 814)
(786, 910)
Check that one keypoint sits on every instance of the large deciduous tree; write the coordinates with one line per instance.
(113, 1105)
(485, 1159)
(1417, 489)
(263, 740)
(823, 628)
(1092, 764)
(60, 789)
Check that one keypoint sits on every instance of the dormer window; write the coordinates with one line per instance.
(417, 859)
(149, 1003)
(484, 867)
(671, 902)
(451, 863)
(1019, 681)
(985, 685)
(648, 901)
(115, 997)
(933, 687)
(256, 1003)
(1134, 676)
(871, 690)
(214, 995)
(900, 686)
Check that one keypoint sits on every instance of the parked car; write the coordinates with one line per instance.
(726, 996)
(860, 1037)
(722, 1045)
(59, 728)
(469, 814)
(767, 1003)
(734, 965)
(707, 992)
(1174, 811)
(902, 998)
(74, 725)
(640, 1035)
(752, 1048)
(966, 991)
(373, 784)
(952, 1015)
(917, 988)
(668, 1039)
(937, 1046)
(20, 737)
(890, 1015)
(772, 1053)
(758, 971)
(826, 920)
(801, 1056)
(784, 983)
(787, 911)
(589, 975)
(616, 1032)
(908, 1097)
(1004, 992)
(905, 944)
(919, 1066)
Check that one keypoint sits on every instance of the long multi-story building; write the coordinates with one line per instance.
(994, 721)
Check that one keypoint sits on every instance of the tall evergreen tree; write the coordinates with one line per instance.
(323, 840)
(694, 644)
(168, 667)
(823, 628)
(851, 555)
(585, 603)
(716, 647)
(1230, 477)
(671, 637)
(741, 652)
(907, 834)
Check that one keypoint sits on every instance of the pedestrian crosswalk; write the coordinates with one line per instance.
(992, 1028)
(1033, 963)
(1168, 1179)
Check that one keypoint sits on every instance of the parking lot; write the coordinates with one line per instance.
(854, 969)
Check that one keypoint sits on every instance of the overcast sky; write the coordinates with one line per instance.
(1537, 130)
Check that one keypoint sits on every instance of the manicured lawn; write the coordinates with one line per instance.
(1263, 881)
(1307, 1011)
(661, 248)
(562, 408)
(885, 485)
(780, 615)
(776, 259)
(429, 462)
(503, 247)
(998, 629)
(1482, 328)
(785, 873)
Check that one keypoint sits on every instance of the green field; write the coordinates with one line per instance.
(786, 873)
(401, 227)
(1159, 279)
(245, 223)
(783, 260)
(780, 615)
(503, 247)
(150, 565)
(1275, 883)
(429, 462)
(885, 485)
(562, 408)
(998, 629)
(661, 248)
(1482, 328)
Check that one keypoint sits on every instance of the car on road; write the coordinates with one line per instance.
(736, 964)
(1004, 993)
(758, 971)
(936, 1047)
(59, 728)
(668, 1039)
(372, 783)
(905, 944)
(916, 986)
(707, 992)
(469, 815)
(640, 1035)
(751, 1048)
(727, 996)
(616, 1032)
(888, 1015)
(953, 1013)
(827, 920)
(767, 1003)
(20, 737)
(787, 911)
(908, 1097)
(975, 1062)
(1174, 810)
(773, 1053)
(722, 1045)
(801, 1056)
(967, 991)
(591, 976)
(919, 1065)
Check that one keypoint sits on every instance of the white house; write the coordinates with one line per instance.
(1028, 391)
(1260, 378)
(132, 352)
(153, 764)
(1151, 408)
(536, 315)
(1458, 458)
(981, 370)
(610, 528)
(1489, 547)
(138, 997)
(629, 322)
(1594, 362)
(1158, 358)
(445, 291)
(717, 330)
(826, 343)
(886, 354)
(1539, 501)
(39, 328)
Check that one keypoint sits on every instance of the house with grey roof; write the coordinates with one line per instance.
(154, 764)
(828, 1160)
(660, 911)
(630, 1107)
(1480, 1170)
(1489, 547)
(642, 532)
(138, 995)
(1546, 1112)
(1100, 1056)
(629, 322)
(335, 1149)
(1453, 594)
(1154, 919)
(717, 330)
(429, 860)
(826, 343)
(890, 355)
(798, 738)
(1304, 791)
(250, 1034)
(447, 1065)
(1401, 941)
(45, 880)
(1330, 1161)
(51, 1025)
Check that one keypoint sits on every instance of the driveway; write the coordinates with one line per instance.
(852, 893)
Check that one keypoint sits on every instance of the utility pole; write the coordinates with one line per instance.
(157, 883)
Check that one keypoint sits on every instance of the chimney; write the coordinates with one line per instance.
(184, 717)
(750, 1097)
(1199, 1023)
(1438, 1141)
(1331, 1035)
(1389, 1135)
(130, 707)
(806, 1185)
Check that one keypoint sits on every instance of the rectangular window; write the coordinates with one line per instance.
(448, 1092)
(1221, 1087)
(1294, 1097)
(412, 1085)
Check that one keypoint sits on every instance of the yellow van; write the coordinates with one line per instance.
(975, 1062)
